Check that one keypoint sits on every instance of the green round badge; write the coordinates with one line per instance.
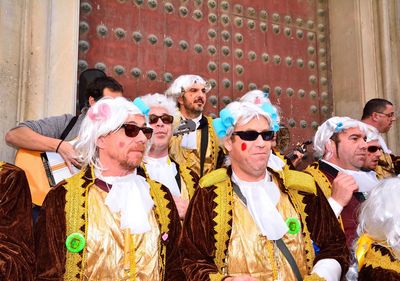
(293, 225)
(75, 242)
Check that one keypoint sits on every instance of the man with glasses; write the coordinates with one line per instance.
(380, 114)
(109, 222)
(249, 222)
(180, 180)
(198, 150)
(340, 145)
(53, 133)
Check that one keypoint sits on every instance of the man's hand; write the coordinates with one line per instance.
(343, 187)
(181, 205)
(67, 152)
(241, 278)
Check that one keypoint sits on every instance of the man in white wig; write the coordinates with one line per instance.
(276, 161)
(377, 249)
(198, 150)
(180, 180)
(340, 144)
(247, 222)
(374, 152)
(109, 222)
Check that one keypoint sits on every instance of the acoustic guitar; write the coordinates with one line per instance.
(43, 171)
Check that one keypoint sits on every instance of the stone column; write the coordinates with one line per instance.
(39, 61)
(364, 43)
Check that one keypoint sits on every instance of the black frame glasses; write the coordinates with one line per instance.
(165, 118)
(389, 115)
(132, 130)
(373, 148)
(253, 135)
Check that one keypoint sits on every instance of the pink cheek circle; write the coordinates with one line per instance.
(244, 146)
(121, 144)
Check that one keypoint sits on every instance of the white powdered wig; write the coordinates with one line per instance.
(331, 126)
(379, 214)
(379, 221)
(158, 100)
(259, 97)
(105, 116)
(372, 133)
(243, 113)
(255, 96)
(183, 83)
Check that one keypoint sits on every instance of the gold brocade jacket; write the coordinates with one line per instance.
(65, 212)
(207, 230)
(191, 157)
(388, 166)
(379, 264)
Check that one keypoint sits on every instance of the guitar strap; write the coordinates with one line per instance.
(68, 128)
(203, 146)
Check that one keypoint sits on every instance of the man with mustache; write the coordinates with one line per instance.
(180, 180)
(340, 145)
(380, 114)
(109, 222)
(197, 150)
(247, 222)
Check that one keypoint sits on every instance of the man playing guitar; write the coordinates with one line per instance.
(48, 134)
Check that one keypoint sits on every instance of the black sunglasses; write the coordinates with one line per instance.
(373, 148)
(165, 118)
(253, 135)
(133, 130)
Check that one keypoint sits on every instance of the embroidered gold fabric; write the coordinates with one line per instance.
(375, 258)
(76, 222)
(223, 211)
(106, 242)
(191, 157)
(385, 168)
(187, 183)
(248, 251)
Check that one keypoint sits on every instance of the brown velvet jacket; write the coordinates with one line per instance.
(17, 259)
(349, 213)
(50, 234)
(198, 245)
(380, 264)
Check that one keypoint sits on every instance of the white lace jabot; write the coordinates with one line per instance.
(130, 196)
(262, 198)
(164, 171)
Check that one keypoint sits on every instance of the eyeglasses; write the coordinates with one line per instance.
(389, 115)
(253, 135)
(373, 148)
(133, 130)
(165, 118)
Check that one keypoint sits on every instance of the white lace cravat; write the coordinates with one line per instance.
(189, 140)
(130, 196)
(164, 171)
(262, 198)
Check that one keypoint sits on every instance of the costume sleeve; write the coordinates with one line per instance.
(197, 242)
(173, 266)
(325, 230)
(50, 127)
(50, 233)
(369, 273)
(17, 260)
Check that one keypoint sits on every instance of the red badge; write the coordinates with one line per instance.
(244, 146)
